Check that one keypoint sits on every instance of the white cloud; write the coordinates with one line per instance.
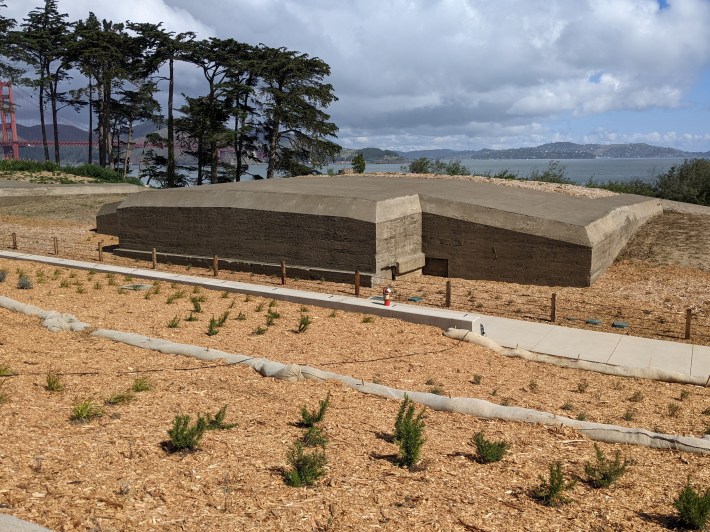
(475, 71)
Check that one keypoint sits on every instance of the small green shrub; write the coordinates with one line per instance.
(241, 316)
(604, 472)
(212, 328)
(86, 411)
(225, 295)
(693, 507)
(533, 386)
(186, 437)
(217, 422)
(3, 275)
(273, 303)
(120, 398)
(5, 371)
(629, 415)
(99, 286)
(196, 304)
(260, 330)
(303, 309)
(706, 412)
(333, 314)
(673, 409)
(223, 318)
(306, 468)
(409, 433)
(303, 323)
(314, 437)
(567, 406)
(191, 317)
(310, 418)
(437, 390)
(359, 163)
(259, 307)
(174, 323)
(64, 283)
(142, 384)
(476, 379)
(551, 491)
(175, 296)
(24, 283)
(54, 383)
(637, 397)
(684, 394)
(582, 386)
(488, 451)
(368, 319)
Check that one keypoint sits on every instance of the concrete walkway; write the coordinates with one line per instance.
(593, 346)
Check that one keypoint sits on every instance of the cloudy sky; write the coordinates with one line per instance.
(471, 74)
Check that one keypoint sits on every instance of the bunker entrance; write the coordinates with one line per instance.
(436, 266)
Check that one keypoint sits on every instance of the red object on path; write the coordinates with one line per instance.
(387, 296)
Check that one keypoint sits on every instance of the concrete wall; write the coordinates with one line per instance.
(477, 251)
(107, 219)
(251, 235)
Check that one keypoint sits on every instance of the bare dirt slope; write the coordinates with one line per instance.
(672, 239)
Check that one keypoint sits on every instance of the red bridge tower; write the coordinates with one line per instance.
(8, 138)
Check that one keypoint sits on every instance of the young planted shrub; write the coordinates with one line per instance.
(409, 433)
(174, 323)
(3, 275)
(223, 318)
(604, 472)
(304, 323)
(217, 422)
(212, 328)
(24, 283)
(186, 437)
(306, 468)
(120, 398)
(314, 437)
(54, 383)
(551, 491)
(86, 411)
(142, 384)
(488, 451)
(196, 304)
(693, 507)
(310, 418)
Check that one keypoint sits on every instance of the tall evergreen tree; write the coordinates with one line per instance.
(7, 69)
(163, 47)
(43, 43)
(296, 130)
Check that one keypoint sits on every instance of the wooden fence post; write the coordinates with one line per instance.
(357, 283)
(55, 241)
(154, 258)
(283, 272)
(553, 308)
(448, 292)
(101, 251)
(14, 240)
(688, 318)
(215, 265)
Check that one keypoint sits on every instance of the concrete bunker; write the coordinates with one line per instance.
(382, 226)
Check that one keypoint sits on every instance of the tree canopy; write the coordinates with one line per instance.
(264, 104)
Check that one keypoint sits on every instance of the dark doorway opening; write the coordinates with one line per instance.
(434, 266)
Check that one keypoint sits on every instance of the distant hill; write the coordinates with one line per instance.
(373, 155)
(75, 134)
(562, 150)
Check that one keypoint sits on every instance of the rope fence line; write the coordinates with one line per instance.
(687, 324)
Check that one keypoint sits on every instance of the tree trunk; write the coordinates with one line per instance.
(55, 125)
(99, 121)
(127, 158)
(171, 179)
(42, 122)
(91, 122)
(106, 124)
(273, 143)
